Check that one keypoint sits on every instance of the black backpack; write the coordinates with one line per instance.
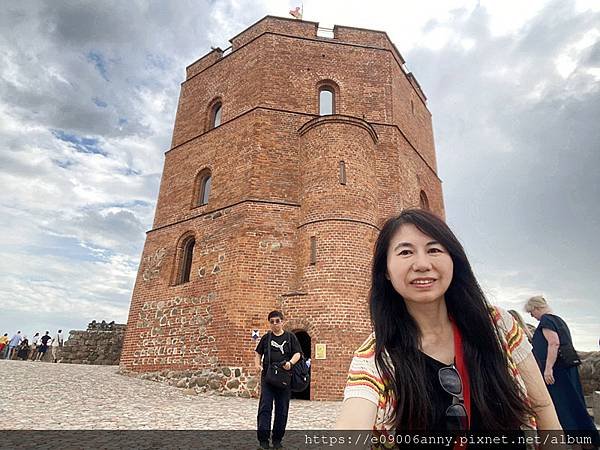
(300, 375)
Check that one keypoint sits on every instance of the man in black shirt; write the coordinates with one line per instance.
(285, 351)
(44, 346)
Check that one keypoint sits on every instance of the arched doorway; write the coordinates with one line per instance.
(304, 339)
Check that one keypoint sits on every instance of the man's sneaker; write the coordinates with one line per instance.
(277, 445)
(264, 445)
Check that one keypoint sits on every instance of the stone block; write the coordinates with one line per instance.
(214, 384)
(233, 384)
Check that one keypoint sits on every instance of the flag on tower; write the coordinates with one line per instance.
(296, 12)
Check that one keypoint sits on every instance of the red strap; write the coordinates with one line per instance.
(461, 366)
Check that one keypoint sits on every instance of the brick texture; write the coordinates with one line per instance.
(275, 185)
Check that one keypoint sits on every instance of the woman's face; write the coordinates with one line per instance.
(536, 313)
(419, 268)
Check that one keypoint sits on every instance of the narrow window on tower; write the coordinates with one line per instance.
(215, 116)
(412, 107)
(313, 250)
(342, 172)
(187, 255)
(205, 189)
(326, 101)
(423, 200)
(202, 188)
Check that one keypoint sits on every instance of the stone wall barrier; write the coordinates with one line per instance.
(98, 346)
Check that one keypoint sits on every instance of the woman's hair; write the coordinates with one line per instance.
(535, 302)
(521, 323)
(493, 391)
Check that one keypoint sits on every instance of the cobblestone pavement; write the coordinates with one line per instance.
(46, 396)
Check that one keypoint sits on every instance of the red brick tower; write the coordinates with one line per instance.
(287, 153)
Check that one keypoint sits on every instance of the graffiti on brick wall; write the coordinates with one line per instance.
(176, 331)
(209, 266)
(153, 263)
(272, 245)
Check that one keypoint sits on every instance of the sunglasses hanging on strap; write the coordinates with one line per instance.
(456, 413)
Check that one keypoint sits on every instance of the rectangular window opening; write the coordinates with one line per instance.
(342, 173)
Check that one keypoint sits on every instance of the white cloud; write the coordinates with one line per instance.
(568, 61)
(509, 16)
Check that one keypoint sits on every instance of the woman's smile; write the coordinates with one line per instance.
(423, 283)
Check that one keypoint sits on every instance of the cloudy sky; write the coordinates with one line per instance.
(88, 93)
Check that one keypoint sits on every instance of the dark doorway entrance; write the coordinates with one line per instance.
(304, 339)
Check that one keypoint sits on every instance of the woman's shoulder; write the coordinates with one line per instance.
(364, 369)
(504, 320)
(552, 322)
(552, 316)
(500, 315)
(364, 356)
(511, 334)
(367, 348)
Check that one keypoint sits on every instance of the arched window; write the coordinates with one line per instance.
(185, 266)
(215, 115)
(326, 101)
(202, 189)
(423, 200)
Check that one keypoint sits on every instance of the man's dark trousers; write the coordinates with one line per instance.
(269, 393)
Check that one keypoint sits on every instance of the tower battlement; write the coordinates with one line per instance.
(305, 30)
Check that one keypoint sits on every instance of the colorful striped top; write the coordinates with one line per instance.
(365, 381)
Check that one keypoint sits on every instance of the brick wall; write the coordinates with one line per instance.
(275, 186)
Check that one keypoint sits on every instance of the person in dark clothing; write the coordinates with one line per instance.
(44, 346)
(285, 351)
(564, 384)
(23, 349)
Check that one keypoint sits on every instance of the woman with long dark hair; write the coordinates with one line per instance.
(441, 359)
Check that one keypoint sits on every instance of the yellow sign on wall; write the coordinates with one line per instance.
(320, 351)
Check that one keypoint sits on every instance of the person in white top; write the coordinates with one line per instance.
(57, 343)
(34, 345)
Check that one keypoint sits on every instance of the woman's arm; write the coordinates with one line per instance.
(539, 397)
(553, 344)
(356, 414)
